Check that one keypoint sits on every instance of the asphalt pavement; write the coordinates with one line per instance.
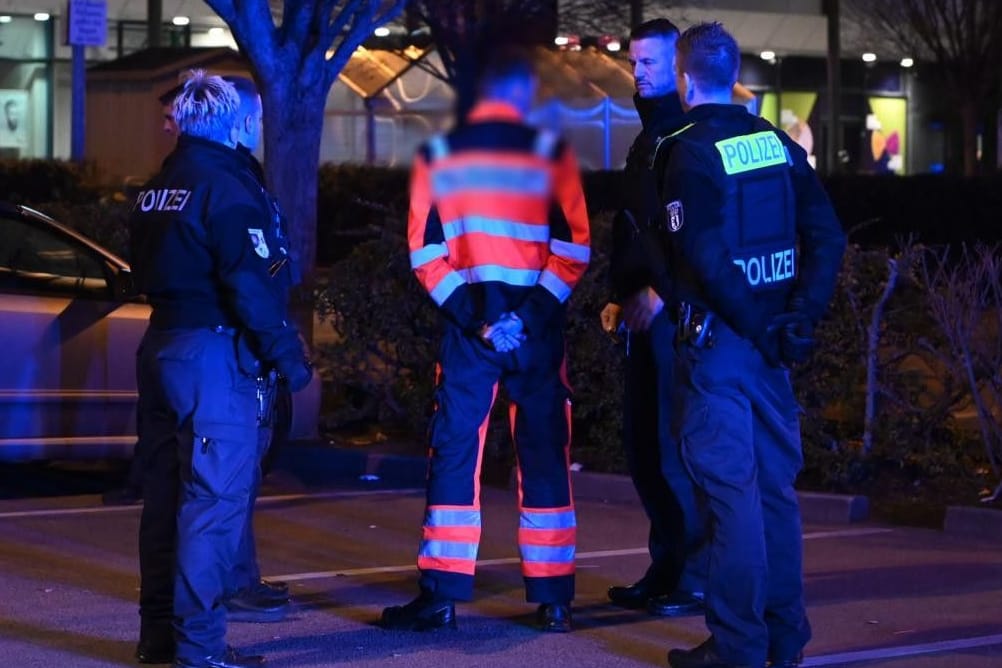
(344, 537)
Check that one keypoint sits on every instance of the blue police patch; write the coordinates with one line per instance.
(675, 216)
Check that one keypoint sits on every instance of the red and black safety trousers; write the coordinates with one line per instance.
(534, 378)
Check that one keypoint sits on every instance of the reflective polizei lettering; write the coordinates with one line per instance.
(769, 268)
(747, 152)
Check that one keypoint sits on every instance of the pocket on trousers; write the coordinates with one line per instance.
(223, 458)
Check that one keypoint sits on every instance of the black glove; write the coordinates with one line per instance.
(767, 343)
(297, 372)
(796, 340)
(792, 334)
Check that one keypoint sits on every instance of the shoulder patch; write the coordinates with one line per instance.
(259, 243)
(676, 217)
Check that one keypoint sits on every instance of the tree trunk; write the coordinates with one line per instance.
(293, 124)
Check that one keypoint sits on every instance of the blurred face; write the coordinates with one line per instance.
(249, 129)
(653, 62)
(170, 125)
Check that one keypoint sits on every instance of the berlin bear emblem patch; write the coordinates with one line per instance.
(259, 243)
(675, 216)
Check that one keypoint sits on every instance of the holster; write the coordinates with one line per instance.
(695, 327)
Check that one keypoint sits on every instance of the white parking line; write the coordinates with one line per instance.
(598, 554)
(896, 652)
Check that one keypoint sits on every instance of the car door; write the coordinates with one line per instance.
(67, 382)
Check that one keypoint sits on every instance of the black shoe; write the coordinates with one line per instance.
(230, 658)
(554, 617)
(159, 650)
(675, 604)
(263, 590)
(156, 643)
(424, 613)
(792, 662)
(634, 596)
(245, 607)
(703, 656)
(124, 496)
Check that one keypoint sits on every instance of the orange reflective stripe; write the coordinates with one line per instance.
(447, 564)
(547, 537)
(537, 569)
(452, 533)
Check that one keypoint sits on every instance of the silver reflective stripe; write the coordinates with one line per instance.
(494, 272)
(496, 227)
(448, 517)
(448, 549)
(543, 553)
(425, 255)
(562, 520)
(571, 251)
(557, 287)
(544, 144)
(446, 287)
(438, 147)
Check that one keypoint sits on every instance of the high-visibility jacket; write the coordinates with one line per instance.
(497, 220)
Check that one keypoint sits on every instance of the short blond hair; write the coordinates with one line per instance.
(208, 106)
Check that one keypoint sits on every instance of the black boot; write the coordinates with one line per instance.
(554, 617)
(156, 643)
(425, 613)
(230, 658)
(703, 656)
(636, 595)
(676, 604)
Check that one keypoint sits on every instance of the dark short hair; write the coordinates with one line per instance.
(169, 97)
(710, 55)
(662, 28)
(508, 63)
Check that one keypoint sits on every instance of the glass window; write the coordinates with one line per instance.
(34, 259)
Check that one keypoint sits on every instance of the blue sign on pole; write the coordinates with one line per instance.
(88, 22)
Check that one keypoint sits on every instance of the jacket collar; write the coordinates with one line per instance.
(493, 110)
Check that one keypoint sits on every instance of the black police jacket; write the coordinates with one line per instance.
(200, 250)
(632, 239)
(749, 226)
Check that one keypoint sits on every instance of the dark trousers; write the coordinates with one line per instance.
(677, 534)
(199, 422)
(740, 436)
(540, 413)
(246, 570)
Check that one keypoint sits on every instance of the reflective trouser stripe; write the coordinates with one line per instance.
(546, 540)
(451, 538)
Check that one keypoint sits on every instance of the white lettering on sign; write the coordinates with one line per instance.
(88, 23)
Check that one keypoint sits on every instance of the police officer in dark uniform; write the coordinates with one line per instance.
(754, 250)
(201, 256)
(675, 579)
(249, 598)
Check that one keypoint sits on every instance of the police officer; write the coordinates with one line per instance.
(201, 256)
(754, 250)
(675, 579)
(499, 236)
(249, 598)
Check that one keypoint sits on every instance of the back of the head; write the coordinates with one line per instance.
(249, 121)
(508, 76)
(710, 56)
(207, 107)
(246, 89)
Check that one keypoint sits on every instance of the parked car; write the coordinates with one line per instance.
(70, 325)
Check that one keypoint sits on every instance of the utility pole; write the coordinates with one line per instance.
(636, 13)
(834, 143)
(154, 23)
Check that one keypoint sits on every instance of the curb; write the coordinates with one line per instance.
(316, 464)
(974, 522)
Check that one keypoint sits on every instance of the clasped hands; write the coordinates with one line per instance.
(504, 335)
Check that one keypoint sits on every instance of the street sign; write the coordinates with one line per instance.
(88, 22)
